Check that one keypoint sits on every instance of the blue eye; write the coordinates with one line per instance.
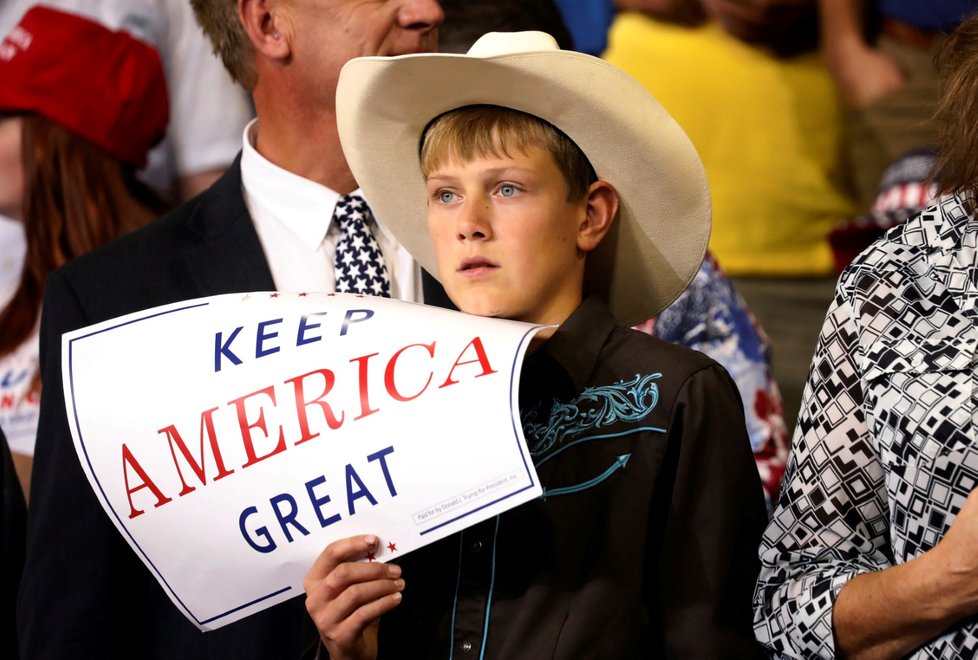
(446, 196)
(507, 190)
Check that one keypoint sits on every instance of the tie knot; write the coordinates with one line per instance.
(351, 208)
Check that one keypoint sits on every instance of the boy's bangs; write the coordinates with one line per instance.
(477, 132)
(483, 131)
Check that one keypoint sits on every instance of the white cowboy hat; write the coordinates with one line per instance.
(384, 105)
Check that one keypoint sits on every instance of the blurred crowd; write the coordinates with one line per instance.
(816, 120)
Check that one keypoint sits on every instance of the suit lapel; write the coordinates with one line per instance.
(228, 257)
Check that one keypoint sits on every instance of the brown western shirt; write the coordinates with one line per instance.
(644, 543)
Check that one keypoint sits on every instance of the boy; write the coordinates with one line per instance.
(555, 188)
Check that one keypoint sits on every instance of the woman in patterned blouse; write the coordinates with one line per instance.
(873, 550)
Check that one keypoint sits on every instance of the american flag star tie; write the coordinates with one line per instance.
(358, 263)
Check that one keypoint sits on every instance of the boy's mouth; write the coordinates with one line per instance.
(476, 264)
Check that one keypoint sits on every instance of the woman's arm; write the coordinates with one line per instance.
(832, 521)
(889, 613)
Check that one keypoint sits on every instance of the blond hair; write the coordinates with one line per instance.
(478, 131)
(220, 22)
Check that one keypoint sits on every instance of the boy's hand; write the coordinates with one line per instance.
(346, 597)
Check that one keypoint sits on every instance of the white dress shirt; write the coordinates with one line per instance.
(293, 218)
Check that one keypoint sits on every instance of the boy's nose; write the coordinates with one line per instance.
(473, 223)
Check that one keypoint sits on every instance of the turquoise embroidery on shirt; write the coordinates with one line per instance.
(620, 463)
(596, 407)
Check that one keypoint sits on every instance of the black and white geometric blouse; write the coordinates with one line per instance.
(884, 454)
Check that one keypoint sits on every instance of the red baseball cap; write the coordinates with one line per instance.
(106, 87)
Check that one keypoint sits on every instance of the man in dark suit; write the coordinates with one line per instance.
(14, 519)
(84, 593)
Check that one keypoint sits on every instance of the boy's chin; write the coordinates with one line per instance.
(480, 308)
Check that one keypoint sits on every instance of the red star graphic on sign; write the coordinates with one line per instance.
(273, 295)
(331, 295)
(359, 295)
(392, 546)
(303, 294)
(371, 556)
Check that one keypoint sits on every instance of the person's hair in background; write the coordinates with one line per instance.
(466, 21)
(219, 20)
(957, 64)
(84, 104)
(75, 199)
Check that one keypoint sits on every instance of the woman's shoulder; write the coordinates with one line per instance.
(942, 228)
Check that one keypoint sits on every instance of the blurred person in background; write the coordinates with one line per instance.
(785, 27)
(746, 81)
(208, 111)
(907, 187)
(881, 57)
(467, 20)
(588, 22)
(80, 106)
(208, 115)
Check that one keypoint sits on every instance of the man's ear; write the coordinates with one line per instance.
(600, 214)
(267, 27)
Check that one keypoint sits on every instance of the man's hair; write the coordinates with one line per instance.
(957, 62)
(219, 20)
(479, 131)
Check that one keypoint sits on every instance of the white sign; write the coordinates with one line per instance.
(230, 439)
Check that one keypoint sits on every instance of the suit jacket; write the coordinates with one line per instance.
(85, 594)
(14, 522)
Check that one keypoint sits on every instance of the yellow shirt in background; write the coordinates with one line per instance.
(768, 130)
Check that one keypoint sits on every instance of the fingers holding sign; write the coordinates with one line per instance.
(346, 596)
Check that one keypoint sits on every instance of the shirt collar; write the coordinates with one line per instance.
(303, 206)
(577, 343)
(950, 238)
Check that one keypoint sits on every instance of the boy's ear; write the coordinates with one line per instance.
(267, 27)
(601, 211)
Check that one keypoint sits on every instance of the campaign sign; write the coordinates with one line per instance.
(230, 439)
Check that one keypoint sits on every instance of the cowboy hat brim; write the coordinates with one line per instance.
(385, 103)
